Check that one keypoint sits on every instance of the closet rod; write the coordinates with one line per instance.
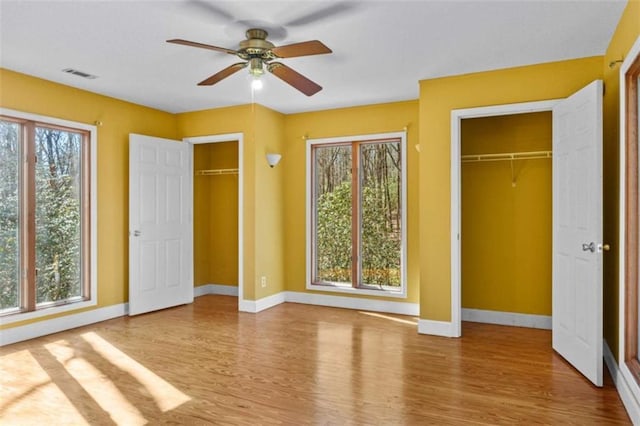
(212, 172)
(531, 155)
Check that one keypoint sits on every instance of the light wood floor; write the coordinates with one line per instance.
(206, 363)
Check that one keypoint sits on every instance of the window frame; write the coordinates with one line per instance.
(355, 142)
(629, 237)
(89, 209)
(631, 212)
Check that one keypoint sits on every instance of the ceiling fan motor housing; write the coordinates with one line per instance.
(256, 45)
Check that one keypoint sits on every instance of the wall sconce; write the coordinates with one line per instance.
(273, 159)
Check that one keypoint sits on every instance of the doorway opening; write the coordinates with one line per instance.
(217, 214)
(506, 215)
(457, 116)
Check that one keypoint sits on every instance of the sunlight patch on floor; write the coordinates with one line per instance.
(28, 395)
(413, 322)
(97, 385)
(166, 396)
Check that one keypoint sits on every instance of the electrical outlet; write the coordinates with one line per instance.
(263, 281)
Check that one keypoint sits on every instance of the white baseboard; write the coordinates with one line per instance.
(402, 308)
(618, 375)
(55, 325)
(255, 306)
(436, 328)
(507, 318)
(225, 290)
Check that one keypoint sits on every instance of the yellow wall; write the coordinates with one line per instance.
(263, 231)
(625, 35)
(506, 229)
(437, 98)
(119, 118)
(215, 215)
(270, 227)
(370, 119)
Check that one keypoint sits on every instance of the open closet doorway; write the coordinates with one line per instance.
(577, 246)
(217, 218)
(506, 216)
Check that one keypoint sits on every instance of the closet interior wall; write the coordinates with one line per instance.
(506, 214)
(215, 213)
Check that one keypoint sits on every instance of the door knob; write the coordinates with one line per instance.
(136, 233)
(592, 247)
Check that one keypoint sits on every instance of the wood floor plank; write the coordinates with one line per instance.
(206, 363)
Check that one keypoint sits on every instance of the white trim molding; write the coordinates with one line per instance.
(457, 115)
(626, 392)
(507, 318)
(437, 328)
(355, 303)
(55, 325)
(229, 137)
(255, 306)
(224, 290)
(401, 308)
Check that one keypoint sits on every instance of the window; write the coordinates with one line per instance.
(631, 230)
(47, 219)
(356, 214)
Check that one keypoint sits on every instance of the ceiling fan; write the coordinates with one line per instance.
(258, 53)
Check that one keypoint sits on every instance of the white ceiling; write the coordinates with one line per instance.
(381, 49)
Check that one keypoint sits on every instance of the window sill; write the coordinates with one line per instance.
(12, 318)
(401, 294)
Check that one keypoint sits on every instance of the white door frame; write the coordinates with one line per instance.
(457, 115)
(228, 137)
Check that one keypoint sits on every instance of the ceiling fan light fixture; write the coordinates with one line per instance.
(255, 67)
(256, 83)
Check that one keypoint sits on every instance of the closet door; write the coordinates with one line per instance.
(160, 224)
(577, 230)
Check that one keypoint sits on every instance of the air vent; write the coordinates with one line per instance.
(79, 73)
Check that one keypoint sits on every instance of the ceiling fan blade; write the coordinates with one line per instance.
(223, 74)
(201, 45)
(321, 14)
(294, 78)
(212, 9)
(306, 48)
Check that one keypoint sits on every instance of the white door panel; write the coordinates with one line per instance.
(160, 224)
(577, 220)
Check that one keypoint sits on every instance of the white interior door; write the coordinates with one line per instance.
(160, 224)
(577, 230)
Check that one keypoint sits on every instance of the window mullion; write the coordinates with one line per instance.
(355, 215)
(28, 219)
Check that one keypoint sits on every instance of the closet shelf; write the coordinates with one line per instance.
(213, 172)
(505, 156)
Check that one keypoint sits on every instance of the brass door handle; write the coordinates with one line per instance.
(592, 247)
